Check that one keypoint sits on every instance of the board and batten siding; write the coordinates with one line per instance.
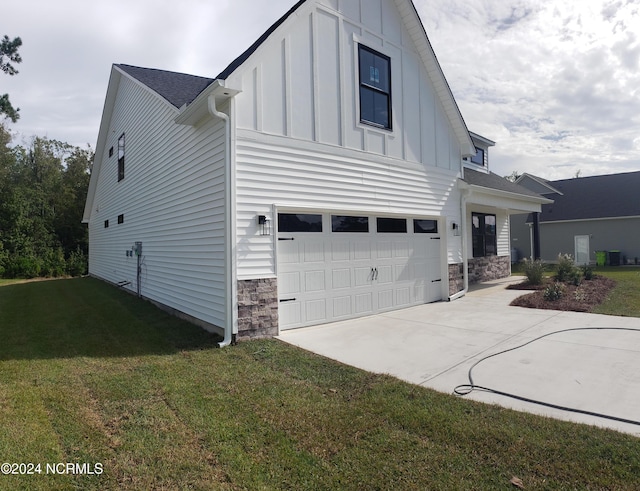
(172, 199)
(298, 175)
(303, 83)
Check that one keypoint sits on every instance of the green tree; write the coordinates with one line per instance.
(9, 55)
(42, 193)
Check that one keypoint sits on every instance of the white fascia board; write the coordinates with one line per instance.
(474, 189)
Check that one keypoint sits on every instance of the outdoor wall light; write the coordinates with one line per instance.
(456, 228)
(264, 225)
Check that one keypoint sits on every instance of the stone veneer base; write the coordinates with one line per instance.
(257, 308)
(489, 268)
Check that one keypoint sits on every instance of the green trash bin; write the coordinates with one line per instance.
(614, 258)
(601, 258)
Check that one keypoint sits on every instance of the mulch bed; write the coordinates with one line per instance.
(581, 298)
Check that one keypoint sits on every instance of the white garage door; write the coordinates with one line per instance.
(334, 267)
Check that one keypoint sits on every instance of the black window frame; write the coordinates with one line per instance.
(478, 158)
(374, 88)
(121, 158)
(484, 239)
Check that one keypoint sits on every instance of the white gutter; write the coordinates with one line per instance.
(465, 261)
(229, 259)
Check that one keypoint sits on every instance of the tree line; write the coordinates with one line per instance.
(43, 186)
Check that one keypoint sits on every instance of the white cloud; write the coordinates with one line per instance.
(554, 83)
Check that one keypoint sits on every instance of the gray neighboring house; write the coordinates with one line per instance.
(588, 214)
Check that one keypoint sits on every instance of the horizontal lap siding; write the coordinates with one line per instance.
(276, 171)
(172, 198)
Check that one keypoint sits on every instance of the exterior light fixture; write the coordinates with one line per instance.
(264, 225)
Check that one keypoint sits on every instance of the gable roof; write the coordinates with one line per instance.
(494, 182)
(177, 88)
(537, 184)
(608, 196)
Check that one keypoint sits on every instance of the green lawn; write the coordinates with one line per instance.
(625, 297)
(90, 374)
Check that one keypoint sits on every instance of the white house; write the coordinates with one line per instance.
(321, 176)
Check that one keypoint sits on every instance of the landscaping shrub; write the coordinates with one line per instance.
(554, 292)
(534, 270)
(566, 268)
(587, 272)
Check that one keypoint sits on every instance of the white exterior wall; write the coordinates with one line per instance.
(300, 142)
(172, 198)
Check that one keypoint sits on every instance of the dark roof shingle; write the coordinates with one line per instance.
(494, 181)
(609, 196)
(177, 88)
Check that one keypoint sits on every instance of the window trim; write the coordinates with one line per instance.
(362, 85)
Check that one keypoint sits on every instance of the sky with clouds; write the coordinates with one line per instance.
(555, 83)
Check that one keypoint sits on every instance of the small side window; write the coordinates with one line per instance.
(120, 218)
(121, 158)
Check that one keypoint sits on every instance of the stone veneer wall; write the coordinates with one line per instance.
(456, 278)
(488, 268)
(257, 308)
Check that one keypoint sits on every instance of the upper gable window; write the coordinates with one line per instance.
(375, 88)
(478, 158)
(121, 157)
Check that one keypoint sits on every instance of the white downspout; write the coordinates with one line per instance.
(465, 247)
(229, 260)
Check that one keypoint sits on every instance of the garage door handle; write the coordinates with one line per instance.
(286, 238)
(376, 274)
(436, 281)
(288, 300)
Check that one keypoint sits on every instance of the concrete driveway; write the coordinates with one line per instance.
(435, 345)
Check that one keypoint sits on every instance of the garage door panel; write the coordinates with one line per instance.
(361, 250)
(400, 249)
(289, 314)
(385, 274)
(288, 252)
(341, 278)
(362, 276)
(342, 306)
(315, 310)
(403, 296)
(289, 283)
(385, 250)
(364, 303)
(314, 252)
(340, 251)
(314, 281)
(385, 299)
